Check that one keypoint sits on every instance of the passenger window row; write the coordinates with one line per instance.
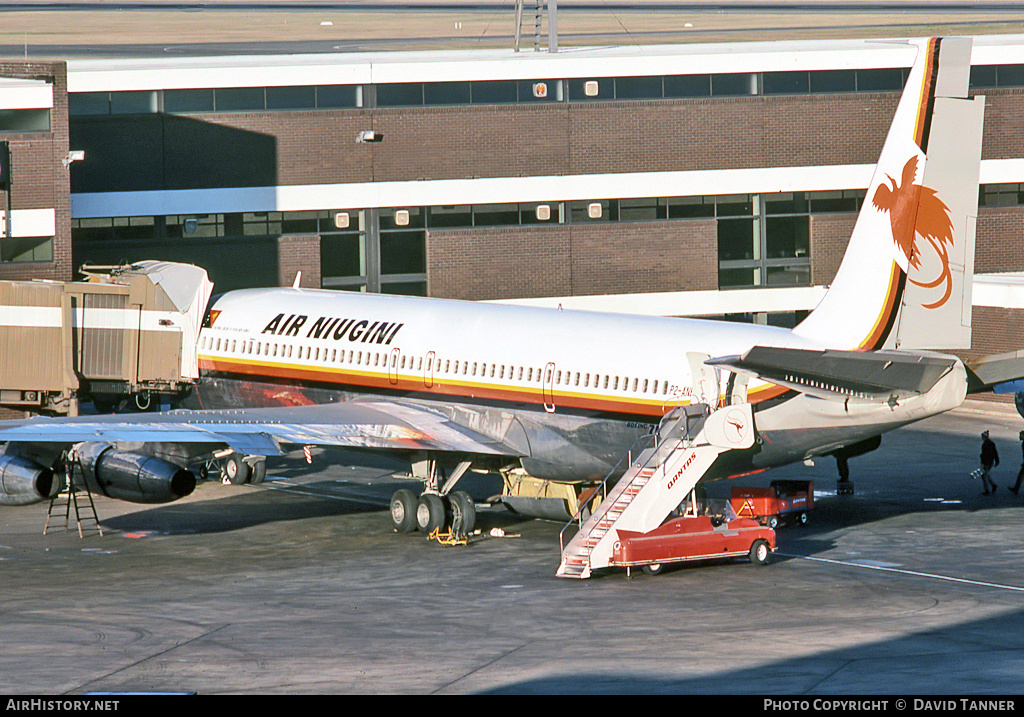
(434, 364)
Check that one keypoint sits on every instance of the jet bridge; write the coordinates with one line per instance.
(125, 333)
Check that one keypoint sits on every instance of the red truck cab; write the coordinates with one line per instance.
(693, 537)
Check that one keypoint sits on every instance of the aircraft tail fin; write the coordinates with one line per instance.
(905, 280)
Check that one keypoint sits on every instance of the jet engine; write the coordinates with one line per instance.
(132, 476)
(23, 482)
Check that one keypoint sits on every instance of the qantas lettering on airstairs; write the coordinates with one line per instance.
(687, 444)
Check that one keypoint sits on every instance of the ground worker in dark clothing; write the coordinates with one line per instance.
(1020, 475)
(989, 459)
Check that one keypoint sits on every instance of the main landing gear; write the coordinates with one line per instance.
(235, 469)
(438, 507)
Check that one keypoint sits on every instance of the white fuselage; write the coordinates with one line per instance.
(583, 385)
(456, 350)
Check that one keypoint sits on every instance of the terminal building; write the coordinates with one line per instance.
(716, 180)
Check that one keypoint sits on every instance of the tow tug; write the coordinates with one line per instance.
(783, 501)
(705, 530)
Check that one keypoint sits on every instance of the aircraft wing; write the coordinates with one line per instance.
(831, 374)
(262, 431)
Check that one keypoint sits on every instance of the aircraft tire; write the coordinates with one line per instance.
(235, 469)
(802, 519)
(759, 552)
(772, 522)
(463, 513)
(403, 510)
(259, 472)
(430, 513)
(654, 568)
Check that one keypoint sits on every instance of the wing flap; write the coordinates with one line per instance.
(842, 374)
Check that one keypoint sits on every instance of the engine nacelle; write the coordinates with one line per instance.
(23, 482)
(132, 476)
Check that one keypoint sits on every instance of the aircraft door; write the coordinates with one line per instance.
(428, 370)
(705, 380)
(396, 354)
(549, 388)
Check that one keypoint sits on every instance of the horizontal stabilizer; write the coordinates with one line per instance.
(842, 374)
(1001, 373)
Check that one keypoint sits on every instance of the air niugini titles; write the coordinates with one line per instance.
(326, 327)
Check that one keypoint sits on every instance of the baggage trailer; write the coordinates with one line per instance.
(782, 501)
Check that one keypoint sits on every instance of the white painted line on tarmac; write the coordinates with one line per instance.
(915, 573)
(320, 494)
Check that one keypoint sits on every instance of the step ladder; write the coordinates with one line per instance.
(86, 518)
(657, 481)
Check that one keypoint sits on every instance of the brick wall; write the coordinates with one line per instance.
(572, 260)
(38, 177)
(728, 133)
(299, 252)
(830, 234)
(499, 263)
(1000, 240)
(1003, 135)
(288, 148)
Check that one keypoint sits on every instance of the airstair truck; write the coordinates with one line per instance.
(125, 334)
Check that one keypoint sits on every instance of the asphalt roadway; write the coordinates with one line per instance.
(913, 585)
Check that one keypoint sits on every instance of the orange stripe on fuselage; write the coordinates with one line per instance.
(441, 386)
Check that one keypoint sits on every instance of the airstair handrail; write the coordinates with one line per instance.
(642, 443)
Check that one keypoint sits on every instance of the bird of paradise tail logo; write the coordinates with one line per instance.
(916, 212)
